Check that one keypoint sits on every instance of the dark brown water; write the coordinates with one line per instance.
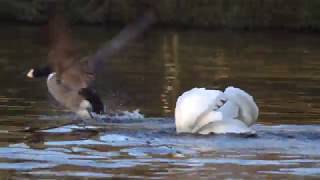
(281, 71)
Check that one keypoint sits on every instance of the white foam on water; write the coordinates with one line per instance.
(123, 115)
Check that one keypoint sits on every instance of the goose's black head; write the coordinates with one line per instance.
(39, 72)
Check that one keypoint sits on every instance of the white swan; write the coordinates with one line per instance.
(204, 111)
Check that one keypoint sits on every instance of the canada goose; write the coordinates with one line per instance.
(204, 111)
(70, 77)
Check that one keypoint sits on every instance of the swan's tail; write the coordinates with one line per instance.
(248, 110)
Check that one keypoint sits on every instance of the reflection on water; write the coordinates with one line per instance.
(281, 70)
(171, 66)
(152, 149)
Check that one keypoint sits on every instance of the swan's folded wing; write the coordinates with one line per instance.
(248, 109)
(192, 106)
(229, 110)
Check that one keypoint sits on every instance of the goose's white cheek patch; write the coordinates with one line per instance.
(30, 73)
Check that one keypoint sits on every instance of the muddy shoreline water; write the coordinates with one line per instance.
(150, 148)
(297, 15)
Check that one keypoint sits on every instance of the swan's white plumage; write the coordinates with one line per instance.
(193, 104)
(202, 111)
(248, 109)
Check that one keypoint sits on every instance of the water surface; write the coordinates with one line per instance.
(38, 139)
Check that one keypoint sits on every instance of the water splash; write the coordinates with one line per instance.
(120, 116)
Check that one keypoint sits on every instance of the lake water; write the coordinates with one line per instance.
(281, 70)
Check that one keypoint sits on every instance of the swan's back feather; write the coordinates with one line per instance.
(248, 110)
(198, 111)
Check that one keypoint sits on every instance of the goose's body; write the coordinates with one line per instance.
(71, 99)
(69, 77)
(212, 111)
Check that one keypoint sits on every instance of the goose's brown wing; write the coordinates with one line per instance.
(124, 37)
(78, 73)
(63, 56)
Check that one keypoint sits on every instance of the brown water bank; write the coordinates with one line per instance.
(238, 14)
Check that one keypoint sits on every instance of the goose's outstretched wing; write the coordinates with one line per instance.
(63, 56)
(77, 73)
(128, 34)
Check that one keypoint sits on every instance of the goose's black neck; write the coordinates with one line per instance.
(42, 71)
